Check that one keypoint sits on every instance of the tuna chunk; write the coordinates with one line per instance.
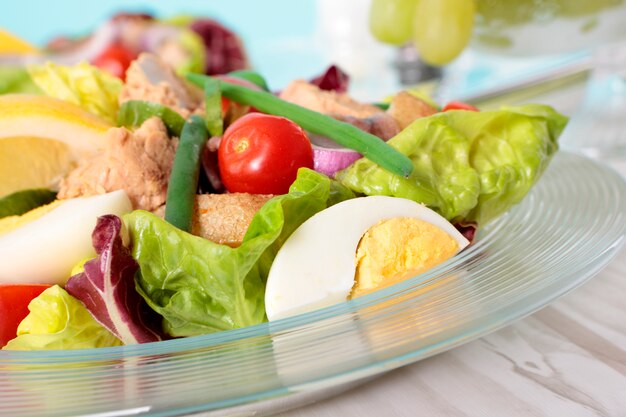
(139, 163)
(342, 107)
(150, 79)
(380, 124)
(327, 102)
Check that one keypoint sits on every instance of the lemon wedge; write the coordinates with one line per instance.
(32, 163)
(42, 139)
(11, 44)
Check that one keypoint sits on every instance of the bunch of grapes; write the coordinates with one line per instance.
(440, 29)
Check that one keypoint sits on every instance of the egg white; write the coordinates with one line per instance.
(45, 250)
(316, 266)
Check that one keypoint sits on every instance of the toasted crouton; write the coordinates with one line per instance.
(405, 108)
(224, 218)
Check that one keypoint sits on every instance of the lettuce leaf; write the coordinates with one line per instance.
(107, 286)
(196, 53)
(81, 84)
(59, 321)
(470, 167)
(16, 80)
(202, 287)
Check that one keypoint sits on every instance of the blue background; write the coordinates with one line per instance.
(263, 26)
(39, 20)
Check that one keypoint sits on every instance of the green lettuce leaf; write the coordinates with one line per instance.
(81, 84)
(192, 44)
(59, 321)
(470, 167)
(202, 287)
(16, 80)
(196, 53)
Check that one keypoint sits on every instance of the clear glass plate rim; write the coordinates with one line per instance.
(265, 329)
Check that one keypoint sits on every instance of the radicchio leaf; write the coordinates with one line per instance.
(107, 286)
(224, 50)
(467, 230)
(211, 181)
(334, 79)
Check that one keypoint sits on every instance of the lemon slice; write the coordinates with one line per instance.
(42, 139)
(32, 163)
(11, 44)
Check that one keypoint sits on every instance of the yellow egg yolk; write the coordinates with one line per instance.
(396, 249)
(10, 223)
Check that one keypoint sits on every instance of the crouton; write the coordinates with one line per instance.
(224, 218)
(405, 108)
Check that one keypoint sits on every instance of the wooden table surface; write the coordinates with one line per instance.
(568, 359)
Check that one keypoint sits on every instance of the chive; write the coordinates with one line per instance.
(252, 76)
(134, 112)
(213, 107)
(345, 134)
(181, 190)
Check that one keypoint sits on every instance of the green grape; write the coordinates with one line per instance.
(391, 21)
(442, 29)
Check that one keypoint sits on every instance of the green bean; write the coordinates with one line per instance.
(345, 134)
(181, 190)
(252, 76)
(134, 112)
(213, 107)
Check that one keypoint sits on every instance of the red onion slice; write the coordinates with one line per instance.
(329, 157)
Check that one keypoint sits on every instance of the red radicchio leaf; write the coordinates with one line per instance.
(224, 50)
(467, 230)
(210, 166)
(107, 286)
(334, 79)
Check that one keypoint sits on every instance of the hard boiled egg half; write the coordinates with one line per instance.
(42, 246)
(356, 247)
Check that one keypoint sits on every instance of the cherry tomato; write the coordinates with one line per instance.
(14, 301)
(115, 60)
(459, 105)
(261, 154)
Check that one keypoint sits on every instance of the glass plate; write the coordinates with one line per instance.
(568, 228)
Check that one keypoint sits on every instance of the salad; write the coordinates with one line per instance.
(171, 204)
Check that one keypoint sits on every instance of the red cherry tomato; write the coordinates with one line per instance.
(261, 154)
(459, 105)
(115, 60)
(14, 301)
(225, 105)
